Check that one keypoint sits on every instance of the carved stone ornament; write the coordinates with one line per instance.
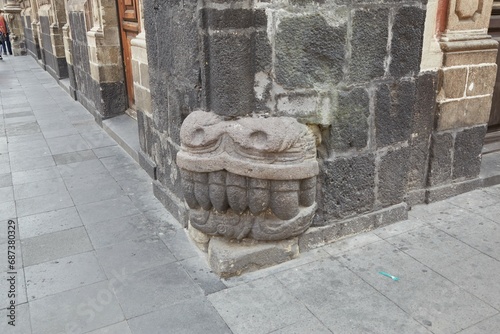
(252, 177)
(469, 9)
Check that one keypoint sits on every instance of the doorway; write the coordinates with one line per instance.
(128, 15)
(492, 140)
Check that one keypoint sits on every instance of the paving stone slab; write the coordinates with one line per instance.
(64, 274)
(398, 228)
(489, 325)
(96, 139)
(29, 163)
(326, 287)
(79, 310)
(188, 317)
(79, 156)
(478, 275)
(19, 291)
(304, 258)
(22, 323)
(250, 308)
(107, 210)
(6, 194)
(5, 180)
(83, 168)
(178, 242)
(119, 328)
(433, 247)
(311, 325)
(114, 231)
(134, 255)
(199, 271)
(34, 175)
(7, 211)
(44, 203)
(48, 247)
(49, 222)
(353, 242)
(476, 231)
(5, 168)
(426, 296)
(82, 191)
(39, 188)
(71, 143)
(155, 288)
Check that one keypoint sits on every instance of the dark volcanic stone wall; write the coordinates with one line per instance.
(173, 48)
(31, 44)
(57, 67)
(87, 88)
(348, 68)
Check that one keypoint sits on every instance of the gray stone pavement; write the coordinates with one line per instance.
(97, 253)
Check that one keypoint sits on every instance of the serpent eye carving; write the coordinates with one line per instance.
(252, 177)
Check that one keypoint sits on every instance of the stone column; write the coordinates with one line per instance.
(464, 97)
(106, 65)
(12, 13)
(249, 178)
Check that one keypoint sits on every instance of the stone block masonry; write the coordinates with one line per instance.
(344, 69)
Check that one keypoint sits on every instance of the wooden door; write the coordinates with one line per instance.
(494, 31)
(128, 12)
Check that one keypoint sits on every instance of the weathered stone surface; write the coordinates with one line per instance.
(392, 176)
(481, 80)
(368, 44)
(446, 191)
(322, 235)
(241, 178)
(394, 107)
(463, 113)
(263, 52)
(469, 57)
(309, 51)
(265, 226)
(408, 26)
(423, 124)
(350, 128)
(211, 144)
(440, 158)
(229, 258)
(167, 172)
(346, 187)
(174, 204)
(467, 156)
(229, 74)
(232, 18)
(454, 81)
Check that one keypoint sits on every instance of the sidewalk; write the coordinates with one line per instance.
(97, 253)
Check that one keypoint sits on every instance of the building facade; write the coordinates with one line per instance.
(273, 127)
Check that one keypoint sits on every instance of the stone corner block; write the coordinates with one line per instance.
(319, 236)
(443, 192)
(231, 258)
(463, 113)
(199, 238)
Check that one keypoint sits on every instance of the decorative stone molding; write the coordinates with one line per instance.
(243, 178)
(469, 14)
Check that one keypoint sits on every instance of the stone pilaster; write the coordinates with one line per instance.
(12, 14)
(467, 79)
(107, 95)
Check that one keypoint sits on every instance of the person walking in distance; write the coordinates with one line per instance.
(3, 30)
(6, 40)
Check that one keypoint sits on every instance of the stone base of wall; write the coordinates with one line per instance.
(147, 164)
(171, 202)
(443, 192)
(231, 258)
